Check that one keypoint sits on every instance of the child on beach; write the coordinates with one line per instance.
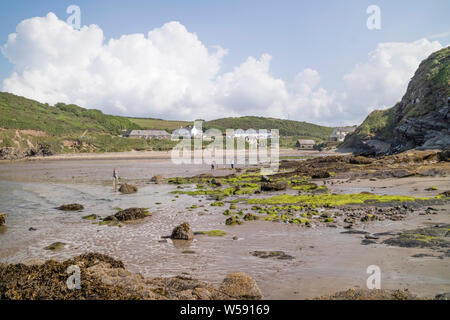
(115, 178)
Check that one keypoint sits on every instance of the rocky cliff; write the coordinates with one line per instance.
(421, 120)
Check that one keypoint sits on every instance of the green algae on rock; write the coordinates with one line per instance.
(55, 246)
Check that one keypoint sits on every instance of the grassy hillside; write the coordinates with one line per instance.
(21, 113)
(168, 125)
(286, 127)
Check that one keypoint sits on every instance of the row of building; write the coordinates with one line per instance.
(338, 135)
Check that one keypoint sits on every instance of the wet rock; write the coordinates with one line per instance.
(126, 188)
(445, 193)
(272, 254)
(444, 155)
(3, 217)
(216, 182)
(442, 296)
(354, 232)
(157, 179)
(366, 242)
(250, 216)
(32, 229)
(320, 175)
(360, 160)
(421, 255)
(435, 237)
(55, 246)
(182, 232)
(128, 214)
(265, 179)
(71, 207)
(274, 186)
(367, 294)
(240, 286)
(371, 237)
(231, 221)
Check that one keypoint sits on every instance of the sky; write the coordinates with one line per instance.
(314, 61)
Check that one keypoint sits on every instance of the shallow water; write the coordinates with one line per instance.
(325, 260)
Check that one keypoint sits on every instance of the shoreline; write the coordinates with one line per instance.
(157, 155)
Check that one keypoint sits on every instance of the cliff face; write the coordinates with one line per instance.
(420, 120)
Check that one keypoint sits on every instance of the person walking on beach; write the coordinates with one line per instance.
(115, 179)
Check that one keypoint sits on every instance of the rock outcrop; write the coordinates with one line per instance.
(420, 120)
(106, 278)
(10, 153)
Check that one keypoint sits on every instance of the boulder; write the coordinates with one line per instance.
(444, 155)
(216, 182)
(157, 179)
(2, 218)
(274, 186)
(240, 286)
(128, 214)
(128, 188)
(182, 232)
(71, 207)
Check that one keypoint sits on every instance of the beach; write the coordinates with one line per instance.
(324, 259)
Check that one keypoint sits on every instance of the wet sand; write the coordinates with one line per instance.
(325, 260)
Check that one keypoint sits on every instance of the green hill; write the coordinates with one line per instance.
(26, 123)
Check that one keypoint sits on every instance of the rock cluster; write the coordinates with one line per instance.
(106, 278)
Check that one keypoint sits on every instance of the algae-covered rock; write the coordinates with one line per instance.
(126, 188)
(182, 232)
(274, 186)
(90, 217)
(55, 246)
(280, 255)
(241, 286)
(71, 207)
(3, 217)
(250, 216)
(231, 221)
(128, 214)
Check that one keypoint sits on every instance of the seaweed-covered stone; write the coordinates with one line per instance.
(434, 237)
(231, 221)
(2, 218)
(274, 186)
(55, 246)
(280, 255)
(71, 207)
(126, 188)
(128, 214)
(182, 232)
(250, 216)
(241, 286)
(360, 160)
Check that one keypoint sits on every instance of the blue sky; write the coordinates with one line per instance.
(330, 37)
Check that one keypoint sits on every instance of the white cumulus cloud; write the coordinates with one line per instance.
(170, 73)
